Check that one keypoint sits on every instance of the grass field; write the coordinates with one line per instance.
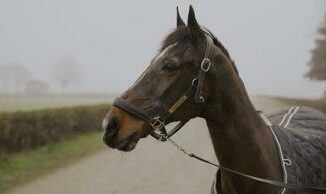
(25, 103)
(25, 166)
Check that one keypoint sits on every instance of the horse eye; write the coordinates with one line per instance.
(170, 67)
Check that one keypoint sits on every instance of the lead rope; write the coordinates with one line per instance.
(190, 154)
(317, 190)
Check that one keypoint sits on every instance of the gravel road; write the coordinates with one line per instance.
(152, 168)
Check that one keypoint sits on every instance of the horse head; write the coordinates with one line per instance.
(176, 86)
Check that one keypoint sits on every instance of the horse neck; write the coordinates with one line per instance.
(241, 139)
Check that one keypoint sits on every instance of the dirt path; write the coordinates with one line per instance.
(152, 168)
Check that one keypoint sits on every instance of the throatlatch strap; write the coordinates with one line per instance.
(204, 68)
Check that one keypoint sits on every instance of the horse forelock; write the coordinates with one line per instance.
(183, 33)
(179, 34)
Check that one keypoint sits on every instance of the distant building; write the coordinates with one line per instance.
(36, 87)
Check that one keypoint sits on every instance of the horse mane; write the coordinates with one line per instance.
(182, 33)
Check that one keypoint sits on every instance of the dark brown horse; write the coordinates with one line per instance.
(169, 86)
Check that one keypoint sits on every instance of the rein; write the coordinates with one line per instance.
(157, 122)
(280, 184)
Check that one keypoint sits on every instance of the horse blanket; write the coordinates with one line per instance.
(301, 133)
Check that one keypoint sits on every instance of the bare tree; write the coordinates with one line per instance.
(13, 75)
(66, 71)
(317, 62)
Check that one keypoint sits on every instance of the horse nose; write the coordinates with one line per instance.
(111, 127)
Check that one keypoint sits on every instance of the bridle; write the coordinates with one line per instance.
(158, 122)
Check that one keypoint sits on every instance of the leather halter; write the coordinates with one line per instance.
(157, 122)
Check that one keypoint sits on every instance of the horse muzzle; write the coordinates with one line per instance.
(121, 131)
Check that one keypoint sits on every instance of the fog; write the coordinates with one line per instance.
(113, 41)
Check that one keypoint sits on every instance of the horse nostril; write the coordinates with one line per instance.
(112, 127)
(113, 124)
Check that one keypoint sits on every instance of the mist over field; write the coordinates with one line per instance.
(112, 42)
(63, 62)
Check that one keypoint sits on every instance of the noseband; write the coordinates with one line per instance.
(157, 122)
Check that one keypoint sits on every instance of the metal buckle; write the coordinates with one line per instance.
(157, 123)
(194, 81)
(201, 99)
(205, 64)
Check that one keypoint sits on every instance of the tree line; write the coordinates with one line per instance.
(14, 77)
(317, 63)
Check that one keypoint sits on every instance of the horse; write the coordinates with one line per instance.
(192, 76)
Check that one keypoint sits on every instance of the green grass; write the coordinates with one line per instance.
(22, 167)
(26, 103)
(319, 104)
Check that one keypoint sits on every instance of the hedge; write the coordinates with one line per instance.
(27, 130)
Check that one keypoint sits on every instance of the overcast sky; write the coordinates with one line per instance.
(113, 41)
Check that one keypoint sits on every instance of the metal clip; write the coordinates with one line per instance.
(162, 138)
(205, 64)
(157, 123)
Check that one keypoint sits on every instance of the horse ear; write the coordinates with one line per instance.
(195, 30)
(179, 19)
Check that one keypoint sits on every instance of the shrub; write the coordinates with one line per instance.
(27, 130)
